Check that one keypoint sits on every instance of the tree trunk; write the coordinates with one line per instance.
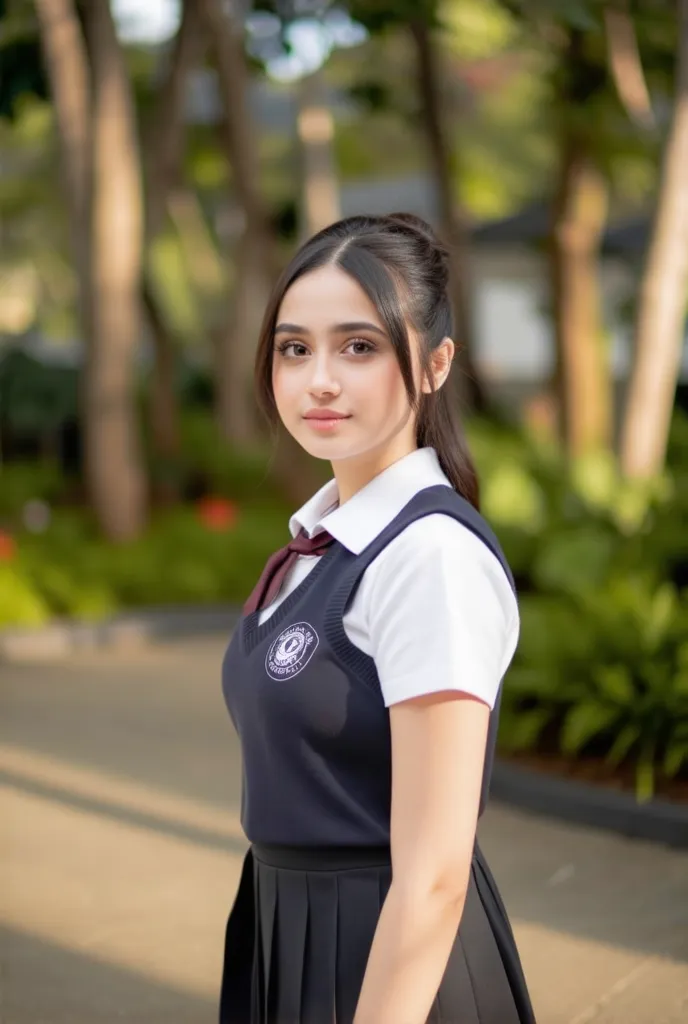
(582, 364)
(256, 264)
(235, 349)
(164, 411)
(163, 405)
(660, 321)
(626, 65)
(454, 227)
(98, 156)
(165, 130)
(66, 62)
(201, 255)
(162, 159)
(315, 129)
(114, 466)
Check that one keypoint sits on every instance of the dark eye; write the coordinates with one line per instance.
(360, 347)
(292, 349)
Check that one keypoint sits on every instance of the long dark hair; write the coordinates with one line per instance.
(404, 270)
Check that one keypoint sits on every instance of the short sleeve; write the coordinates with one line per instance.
(441, 613)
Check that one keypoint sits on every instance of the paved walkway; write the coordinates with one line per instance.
(120, 849)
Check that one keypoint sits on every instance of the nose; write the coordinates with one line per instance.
(323, 380)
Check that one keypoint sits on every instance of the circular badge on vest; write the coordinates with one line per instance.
(291, 651)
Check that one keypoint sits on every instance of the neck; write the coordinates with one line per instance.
(352, 475)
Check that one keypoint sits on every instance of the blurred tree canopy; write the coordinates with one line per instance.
(235, 138)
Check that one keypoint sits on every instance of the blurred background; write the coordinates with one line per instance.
(159, 163)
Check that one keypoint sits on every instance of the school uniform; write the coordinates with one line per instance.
(412, 596)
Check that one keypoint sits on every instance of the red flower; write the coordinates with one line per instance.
(217, 513)
(8, 547)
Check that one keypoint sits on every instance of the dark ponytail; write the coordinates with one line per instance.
(404, 270)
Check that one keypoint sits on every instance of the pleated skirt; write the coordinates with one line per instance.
(301, 928)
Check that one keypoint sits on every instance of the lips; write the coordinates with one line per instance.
(325, 415)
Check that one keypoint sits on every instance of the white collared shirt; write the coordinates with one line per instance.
(434, 610)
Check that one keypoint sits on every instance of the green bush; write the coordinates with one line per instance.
(602, 664)
(20, 602)
(239, 475)
(604, 669)
(179, 560)
(24, 481)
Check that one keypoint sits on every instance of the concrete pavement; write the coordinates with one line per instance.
(120, 850)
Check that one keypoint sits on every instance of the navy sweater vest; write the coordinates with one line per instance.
(307, 704)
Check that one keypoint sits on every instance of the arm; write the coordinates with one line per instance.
(438, 747)
(443, 624)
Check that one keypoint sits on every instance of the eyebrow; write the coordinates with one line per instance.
(354, 325)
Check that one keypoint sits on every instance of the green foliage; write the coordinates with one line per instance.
(239, 475)
(606, 666)
(20, 602)
(28, 481)
(602, 663)
(378, 15)
(185, 556)
(21, 58)
(70, 571)
(572, 36)
(36, 396)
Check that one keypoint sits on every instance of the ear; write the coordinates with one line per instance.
(440, 365)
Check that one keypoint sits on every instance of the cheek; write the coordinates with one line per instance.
(386, 385)
(284, 386)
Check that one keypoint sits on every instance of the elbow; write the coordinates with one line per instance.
(449, 884)
(440, 885)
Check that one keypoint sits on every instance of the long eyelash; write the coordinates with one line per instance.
(282, 346)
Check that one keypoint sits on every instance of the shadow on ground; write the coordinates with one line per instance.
(156, 720)
(76, 988)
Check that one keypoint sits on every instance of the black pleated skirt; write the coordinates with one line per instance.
(302, 925)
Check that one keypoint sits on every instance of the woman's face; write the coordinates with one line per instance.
(336, 380)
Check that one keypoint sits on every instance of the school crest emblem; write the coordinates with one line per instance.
(291, 651)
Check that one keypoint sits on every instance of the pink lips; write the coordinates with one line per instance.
(324, 419)
(324, 414)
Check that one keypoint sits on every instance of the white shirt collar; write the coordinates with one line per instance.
(357, 522)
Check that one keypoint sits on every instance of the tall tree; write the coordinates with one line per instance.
(421, 19)
(113, 454)
(315, 130)
(255, 259)
(454, 225)
(579, 217)
(66, 62)
(97, 133)
(625, 63)
(585, 61)
(162, 155)
(661, 314)
(319, 201)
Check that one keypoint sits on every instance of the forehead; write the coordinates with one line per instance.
(324, 297)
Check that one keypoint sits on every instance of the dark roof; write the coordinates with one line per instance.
(629, 237)
(530, 227)
(527, 227)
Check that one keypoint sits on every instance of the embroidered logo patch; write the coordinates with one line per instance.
(291, 651)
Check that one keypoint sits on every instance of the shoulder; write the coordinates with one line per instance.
(439, 547)
(440, 611)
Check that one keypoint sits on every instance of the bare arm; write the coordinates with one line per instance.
(438, 750)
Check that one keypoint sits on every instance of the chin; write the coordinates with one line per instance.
(331, 449)
(331, 452)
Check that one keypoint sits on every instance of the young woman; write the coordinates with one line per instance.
(364, 677)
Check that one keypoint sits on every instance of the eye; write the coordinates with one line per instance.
(361, 347)
(292, 349)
